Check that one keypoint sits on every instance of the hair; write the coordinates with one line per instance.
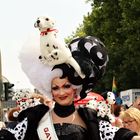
(117, 110)
(90, 54)
(133, 113)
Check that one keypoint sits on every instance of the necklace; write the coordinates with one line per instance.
(64, 111)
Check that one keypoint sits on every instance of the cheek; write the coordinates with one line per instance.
(71, 92)
(54, 94)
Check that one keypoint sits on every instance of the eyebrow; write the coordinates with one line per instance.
(67, 83)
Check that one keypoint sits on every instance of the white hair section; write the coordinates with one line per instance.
(39, 74)
(78, 89)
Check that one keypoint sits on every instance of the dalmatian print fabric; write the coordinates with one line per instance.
(91, 55)
(107, 131)
(20, 130)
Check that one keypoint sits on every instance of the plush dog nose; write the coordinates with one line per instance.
(38, 21)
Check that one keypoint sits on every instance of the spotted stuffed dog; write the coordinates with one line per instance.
(53, 50)
(103, 107)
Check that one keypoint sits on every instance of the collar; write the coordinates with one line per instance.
(48, 30)
(64, 111)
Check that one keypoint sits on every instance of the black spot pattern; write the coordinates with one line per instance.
(19, 130)
(107, 131)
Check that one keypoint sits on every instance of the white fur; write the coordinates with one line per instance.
(54, 51)
(92, 103)
(110, 98)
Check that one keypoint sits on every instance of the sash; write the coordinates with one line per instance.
(46, 129)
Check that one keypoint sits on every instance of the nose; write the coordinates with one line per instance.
(38, 21)
(36, 24)
(61, 91)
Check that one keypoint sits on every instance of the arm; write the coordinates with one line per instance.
(16, 133)
(6, 135)
(28, 123)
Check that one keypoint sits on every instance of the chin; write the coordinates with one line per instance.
(65, 103)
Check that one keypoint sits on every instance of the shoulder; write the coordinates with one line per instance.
(124, 134)
(90, 118)
(87, 113)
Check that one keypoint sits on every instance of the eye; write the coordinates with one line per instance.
(47, 19)
(67, 86)
(55, 88)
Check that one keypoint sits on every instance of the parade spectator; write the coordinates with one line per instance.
(131, 119)
(136, 103)
(116, 112)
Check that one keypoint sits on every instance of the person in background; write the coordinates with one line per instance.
(136, 103)
(116, 111)
(131, 119)
(62, 83)
(124, 107)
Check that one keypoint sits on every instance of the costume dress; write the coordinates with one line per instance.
(97, 129)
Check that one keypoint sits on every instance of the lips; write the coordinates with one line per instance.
(63, 98)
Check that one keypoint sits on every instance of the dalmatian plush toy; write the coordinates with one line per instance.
(103, 108)
(24, 100)
(106, 106)
(92, 103)
(53, 50)
(20, 94)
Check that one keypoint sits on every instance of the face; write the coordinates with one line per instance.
(131, 124)
(44, 23)
(137, 103)
(62, 91)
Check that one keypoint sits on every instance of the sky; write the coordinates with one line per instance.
(17, 24)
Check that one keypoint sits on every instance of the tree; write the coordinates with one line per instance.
(131, 29)
(117, 24)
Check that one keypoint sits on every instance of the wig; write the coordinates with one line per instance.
(89, 52)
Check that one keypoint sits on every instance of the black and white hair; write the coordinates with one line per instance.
(89, 52)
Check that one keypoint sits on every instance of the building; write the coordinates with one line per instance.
(128, 96)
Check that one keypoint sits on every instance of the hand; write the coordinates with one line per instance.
(2, 125)
(48, 102)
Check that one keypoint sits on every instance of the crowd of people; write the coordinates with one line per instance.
(56, 118)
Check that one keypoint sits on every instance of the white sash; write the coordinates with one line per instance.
(46, 129)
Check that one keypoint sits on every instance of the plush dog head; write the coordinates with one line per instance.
(44, 23)
(110, 98)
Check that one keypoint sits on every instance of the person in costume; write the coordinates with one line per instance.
(61, 83)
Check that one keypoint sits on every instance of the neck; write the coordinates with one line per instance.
(64, 111)
(47, 31)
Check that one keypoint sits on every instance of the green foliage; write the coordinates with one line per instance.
(117, 24)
